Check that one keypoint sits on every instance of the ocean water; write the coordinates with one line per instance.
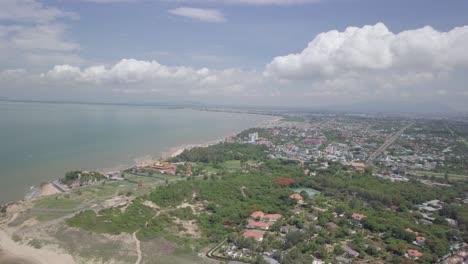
(41, 142)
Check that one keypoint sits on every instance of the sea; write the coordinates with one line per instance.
(40, 142)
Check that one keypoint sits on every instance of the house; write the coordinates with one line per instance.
(311, 217)
(271, 217)
(297, 211)
(413, 254)
(296, 196)
(284, 229)
(358, 216)
(258, 225)
(350, 252)
(358, 166)
(257, 215)
(270, 260)
(409, 230)
(255, 234)
(163, 167)
(420, 241)
(343, 260)
(331, 226)
(75, 184)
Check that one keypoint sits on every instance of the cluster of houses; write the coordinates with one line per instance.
(427, 209)
(258, 223)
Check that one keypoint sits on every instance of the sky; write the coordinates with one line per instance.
(288, 53)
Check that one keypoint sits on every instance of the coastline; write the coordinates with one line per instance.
(49, 188)
(12, 251)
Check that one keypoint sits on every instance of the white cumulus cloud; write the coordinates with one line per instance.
(202, 14)
(374, 49)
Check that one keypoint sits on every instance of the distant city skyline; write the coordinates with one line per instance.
(287, 53)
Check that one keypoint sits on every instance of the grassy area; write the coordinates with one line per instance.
(49, 216)
(59, 202)
(232, 164)
(96, 247)
(142, 180)
(439, 175)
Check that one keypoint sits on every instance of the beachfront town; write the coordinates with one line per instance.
(351, 189)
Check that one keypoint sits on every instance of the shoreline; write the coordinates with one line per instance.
(49, 188)
(14, 252)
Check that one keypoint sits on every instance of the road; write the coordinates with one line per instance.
(386, 144)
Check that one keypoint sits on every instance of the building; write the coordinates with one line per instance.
(261, 216)
(257, 215)
(253, 137)
(358, 216)
(258, 225)
(350, 252)
(420, 241)
(413, 254)
(163, 167)
(358, 166)
(271, 217)
(255, 234)
(296, 196)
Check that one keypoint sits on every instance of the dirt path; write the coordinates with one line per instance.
(138, 247)
(137, 241)
(242, 191)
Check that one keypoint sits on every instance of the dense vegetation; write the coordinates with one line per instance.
(222, 152)
(229, 197)
(73, 176)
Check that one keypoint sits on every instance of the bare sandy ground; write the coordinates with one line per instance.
(48, 189)
(12, 252)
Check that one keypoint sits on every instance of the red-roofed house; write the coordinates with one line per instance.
(257, 215)
(357, 216)
(255, 234)
(413, 254)
(74, 184)
(409, 230)
(420, 241)
(271, 217)
(296, 196)
(258, 225)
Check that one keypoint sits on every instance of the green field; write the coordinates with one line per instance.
(59, 202)
(232, 164)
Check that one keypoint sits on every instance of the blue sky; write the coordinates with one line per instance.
(235, 51)
(251, 35)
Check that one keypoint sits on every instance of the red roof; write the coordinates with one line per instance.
(253, 233)
(420, 239)
(414, 253)
(358, 216)
(296, 196)
(411, 231)
(259, 224)
(257, 214)
(272, 216)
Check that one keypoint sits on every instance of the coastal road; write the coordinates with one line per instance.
(386, 144)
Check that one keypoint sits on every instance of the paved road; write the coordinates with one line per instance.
(386, 144)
